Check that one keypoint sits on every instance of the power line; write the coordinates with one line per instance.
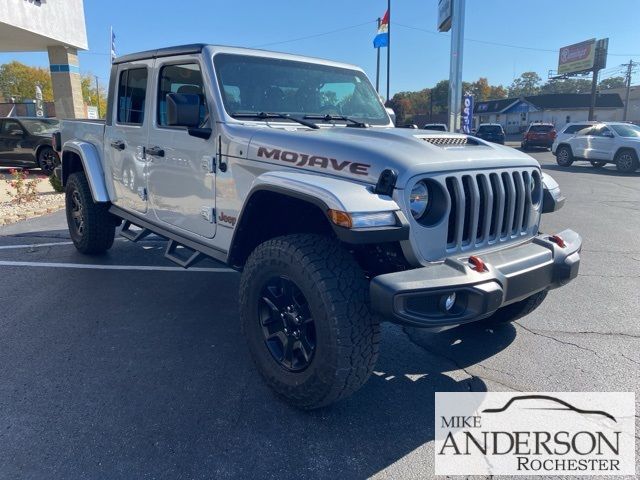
(316, 35)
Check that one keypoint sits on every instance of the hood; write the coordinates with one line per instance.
(361, 154)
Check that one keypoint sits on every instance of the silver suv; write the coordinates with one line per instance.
(289, 170)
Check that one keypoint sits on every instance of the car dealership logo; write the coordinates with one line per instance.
(498, 433)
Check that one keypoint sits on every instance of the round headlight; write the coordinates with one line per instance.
(419, 199)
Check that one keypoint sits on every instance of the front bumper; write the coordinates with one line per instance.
(416, 297)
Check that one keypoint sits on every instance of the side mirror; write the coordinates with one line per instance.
(183, 110)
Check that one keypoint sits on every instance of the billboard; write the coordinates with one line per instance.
(444, 15)
(578, 57)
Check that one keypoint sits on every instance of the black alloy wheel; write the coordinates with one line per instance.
(77, 213)
(287, 325)
(48, 160)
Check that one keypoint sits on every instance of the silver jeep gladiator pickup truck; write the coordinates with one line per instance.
(290, 170)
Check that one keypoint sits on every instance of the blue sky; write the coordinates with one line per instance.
(420, 55)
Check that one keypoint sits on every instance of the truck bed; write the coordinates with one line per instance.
(88, 130)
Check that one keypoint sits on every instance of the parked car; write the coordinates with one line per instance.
(440, 127)
(539, 135)
(608, 142)
(337, 221)
(491, 132)
(568, 131)
(26, 142)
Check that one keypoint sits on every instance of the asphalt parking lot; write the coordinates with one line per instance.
(124, 366)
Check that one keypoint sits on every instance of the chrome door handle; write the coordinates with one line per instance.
(155, 151)
(118, 145)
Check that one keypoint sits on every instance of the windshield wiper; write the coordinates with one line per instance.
(329, 118)
(267, 115)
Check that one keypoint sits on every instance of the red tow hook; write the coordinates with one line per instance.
(478, 264)
(557, 239)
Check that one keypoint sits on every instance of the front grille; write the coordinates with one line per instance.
(488, 207)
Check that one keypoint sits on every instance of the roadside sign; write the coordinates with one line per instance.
(444, 15)
(92, 112)
(578, 57)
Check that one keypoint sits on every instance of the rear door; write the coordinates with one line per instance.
(12, 151)
(126, 135)
(581, 143)
(181, 180)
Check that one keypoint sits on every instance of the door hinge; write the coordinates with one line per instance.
(208, 213)
(208, 164)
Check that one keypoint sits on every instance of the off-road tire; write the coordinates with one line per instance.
(48, 160)
(337, 293)
(564, 156)
(627, 161)
(517, 310)
(598, 163)
(98, 226)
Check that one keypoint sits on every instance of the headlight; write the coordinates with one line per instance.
(419, 199)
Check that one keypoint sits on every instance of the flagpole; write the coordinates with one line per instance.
(388, 48)
(378, 65)
(111, 43)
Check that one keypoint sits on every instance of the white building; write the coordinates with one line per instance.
(633, 109)
(515, 114)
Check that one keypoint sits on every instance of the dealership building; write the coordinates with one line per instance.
(515, 114)
(58, 28)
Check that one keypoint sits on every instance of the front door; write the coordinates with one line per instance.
(181, 181)
(12, 152)
(602, 143)
(126, 137)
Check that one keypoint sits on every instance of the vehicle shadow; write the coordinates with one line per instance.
(585, 167)
(147, 374)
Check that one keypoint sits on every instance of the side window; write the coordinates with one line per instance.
(132, 91)
(603, 132)
(11, 127)
(184, 78)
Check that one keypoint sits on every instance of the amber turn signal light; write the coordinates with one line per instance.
(342, 219)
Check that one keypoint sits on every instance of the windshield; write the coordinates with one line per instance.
(490, 129)
(541, 128)
(439, 128)
(627, 130)
(41, 127)
(271, 85)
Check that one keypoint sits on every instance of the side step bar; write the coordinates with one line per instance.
(194, 250)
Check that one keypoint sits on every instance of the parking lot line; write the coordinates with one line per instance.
(33, 245)
(87, 266)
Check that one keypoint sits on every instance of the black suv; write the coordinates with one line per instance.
(491, 132)
(26, 142)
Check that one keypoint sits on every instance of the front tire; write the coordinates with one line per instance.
(517, 310)
(564, 156)
(91, 226)
(626, 161)
(304, 310)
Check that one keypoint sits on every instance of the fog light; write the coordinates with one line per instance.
(448, 301)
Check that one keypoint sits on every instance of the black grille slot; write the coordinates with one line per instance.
(453, 212)
(466, 224)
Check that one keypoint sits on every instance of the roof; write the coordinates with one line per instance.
(550, 101)
(161, 52)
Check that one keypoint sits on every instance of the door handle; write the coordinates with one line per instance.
(118, 145)
(155, 151)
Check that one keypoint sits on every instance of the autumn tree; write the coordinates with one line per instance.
(19, 81)
(91, 95)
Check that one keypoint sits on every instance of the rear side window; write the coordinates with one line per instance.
(185, 78)
(574, 128)
(132, 91)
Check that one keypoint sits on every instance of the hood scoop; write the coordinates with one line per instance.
(457, 141)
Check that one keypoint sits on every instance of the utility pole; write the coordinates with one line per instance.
(455, 68)
(389, 49)
(97, 95)
(626, 96)
(378, 64)
(594, 90)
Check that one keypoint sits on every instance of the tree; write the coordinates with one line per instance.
(91, 96)
(613, 82)
(480, 89)
(19, 81)
(496, 92)
(527, 84)
(567, 85)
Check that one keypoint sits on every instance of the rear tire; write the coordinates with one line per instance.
(48, 160)
(517, 310)
(304, 310)
(564, 156)
(598, 163)
(626, 161)
(91, 226)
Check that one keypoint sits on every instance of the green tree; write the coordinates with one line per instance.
(19, 81)
(568, 85)
(526, 84)
(613, 82)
